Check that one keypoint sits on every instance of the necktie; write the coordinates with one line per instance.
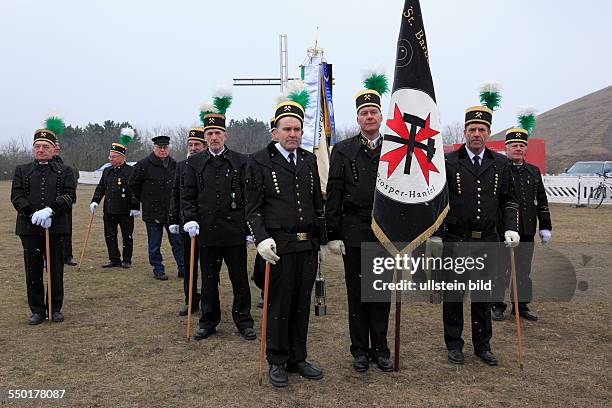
(292, 159)
(477, 162)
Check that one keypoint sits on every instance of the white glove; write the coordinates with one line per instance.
(46, 223)
(323, 250)
(39, 216)
(435, 244)
(545, 235)
(134, 213)
(174, 229)
(512, 239)
(93, 206)
(249, 241)
(336, 247)
(267, 250)
(192, 228)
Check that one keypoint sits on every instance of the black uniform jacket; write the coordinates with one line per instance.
(34, 190)
(350, 191)
(531, 198)
(213, 196)
(114, 187)
(151, 184)
(482, 202)
(285, 203)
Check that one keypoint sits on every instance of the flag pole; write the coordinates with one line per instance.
(86, 240)
(190, 295)
(516, 308)
(264, 322)
(398, 321)
(48, 255)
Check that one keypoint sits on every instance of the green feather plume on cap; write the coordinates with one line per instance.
(126, 136)
(526, 118)
(296, 92)
(376, 80)
(222, 100)
(205, 109)
(490, 94)
(55, 123)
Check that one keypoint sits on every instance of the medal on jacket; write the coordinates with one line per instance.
(233, 204)
(118, 181)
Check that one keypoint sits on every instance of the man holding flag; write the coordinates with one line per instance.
(411, 200)
(350, 196)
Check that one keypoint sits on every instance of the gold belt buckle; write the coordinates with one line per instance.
(302, 236)
(476, 234)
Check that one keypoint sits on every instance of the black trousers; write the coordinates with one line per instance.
(67, 246)
(186, 262)
(126, 223)
(452, 306)
(291, 282)
(523, 258)
(235, 258)
(368, 321)
(34, 255)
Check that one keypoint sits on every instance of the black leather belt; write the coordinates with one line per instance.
(292, 236)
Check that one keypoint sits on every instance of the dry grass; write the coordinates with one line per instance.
(122, 343)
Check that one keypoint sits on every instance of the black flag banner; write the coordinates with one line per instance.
(411, 197)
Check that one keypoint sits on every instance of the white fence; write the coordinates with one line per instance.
(89, 177)
(572, 189)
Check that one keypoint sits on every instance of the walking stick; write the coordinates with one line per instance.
(48, 255)
(190, 296)
(398, 320)
(264, 322)
(86, 240)
(516, 308)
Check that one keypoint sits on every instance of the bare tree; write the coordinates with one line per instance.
(453, 133)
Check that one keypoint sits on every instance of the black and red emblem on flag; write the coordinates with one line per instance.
(410, 201)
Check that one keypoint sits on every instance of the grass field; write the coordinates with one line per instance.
(123, 344)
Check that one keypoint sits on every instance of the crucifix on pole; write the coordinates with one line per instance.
(284, 70)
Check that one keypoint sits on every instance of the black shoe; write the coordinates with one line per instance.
(529, 315)
(161, 276)
(278, 376)
(57, 317)
(70, 261)
(384, 363)
(497, 314)
(306, 370)
(248, 333)
(361, 364)
(487, 357)
(455, 356)
(36, 318)
(112, 264)
(183, 309)
(126, 264)
(202, 334)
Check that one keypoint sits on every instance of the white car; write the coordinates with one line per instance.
(588, 168)
(105, 165)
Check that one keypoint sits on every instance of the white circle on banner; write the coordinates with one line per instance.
(423, 179)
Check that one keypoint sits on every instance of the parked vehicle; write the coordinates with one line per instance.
(588, 168)
(105, 165)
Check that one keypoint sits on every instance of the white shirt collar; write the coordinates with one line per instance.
(213, 154)
(471, 155)
(285, 152)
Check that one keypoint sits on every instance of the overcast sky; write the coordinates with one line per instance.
(153, 62)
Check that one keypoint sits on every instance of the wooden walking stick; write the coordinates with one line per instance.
(516, 308)
(48, 255)
(190, 296)
(264, 322)
(398, 322)
(86, 240)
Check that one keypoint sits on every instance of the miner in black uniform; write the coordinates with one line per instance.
(534, 214)
(67, 242)
(483, 208)
(286, 219)
(350, 198)
(195, 144)
(120, 207)
(43, 192)
(212, 203)
(151, 183)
